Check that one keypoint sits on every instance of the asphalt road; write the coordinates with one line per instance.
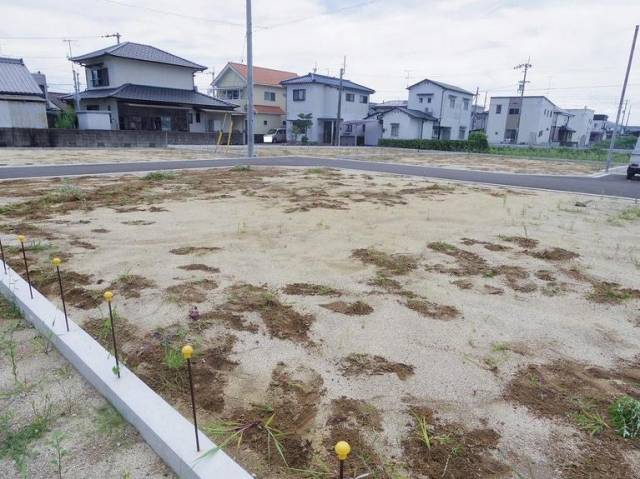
(612, 185)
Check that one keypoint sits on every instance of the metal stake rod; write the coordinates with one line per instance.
(250, 112)
(342, 449)
(187, 352)
(56, 262)
(22, 238)
(4, 263)
(108, 296)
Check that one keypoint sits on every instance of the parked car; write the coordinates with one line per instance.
(634, 162)
(276, 136)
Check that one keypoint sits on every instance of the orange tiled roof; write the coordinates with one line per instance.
(263, 76)
(269, 110)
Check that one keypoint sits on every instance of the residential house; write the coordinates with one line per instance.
(532, 120)
(599, 130)
(448, 104)
(402, 123)
(22, 102)
(386, 105)
(561, 132)
(318, 95)
(270, 98)
(479, 117)
(582, 124)
(144, 88)
(53, 109)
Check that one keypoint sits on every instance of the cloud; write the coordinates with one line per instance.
(573, 45)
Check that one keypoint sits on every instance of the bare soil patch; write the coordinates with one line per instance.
(433, 310)
(358, 364)
(190, 292)
(358, 308)
(392, 264)
(307, 289)
(131, 285)
(194, 250)
(200, 267)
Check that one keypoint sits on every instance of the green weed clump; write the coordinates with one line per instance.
(158, 176)
(625, 416)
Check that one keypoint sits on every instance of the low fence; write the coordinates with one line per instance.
(55, 137)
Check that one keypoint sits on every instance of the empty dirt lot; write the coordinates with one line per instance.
(443, 330)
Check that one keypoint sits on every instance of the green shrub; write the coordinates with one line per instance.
(625, 416)
(67, 119)
(442, 145)
(478, 141)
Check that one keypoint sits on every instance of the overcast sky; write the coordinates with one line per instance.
(578, 48)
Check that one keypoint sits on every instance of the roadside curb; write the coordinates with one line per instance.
(169, 434)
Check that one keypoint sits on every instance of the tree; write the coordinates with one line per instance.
(67, 119)
(478, 142)
(301, 125)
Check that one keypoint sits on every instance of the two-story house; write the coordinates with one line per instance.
(145, 88)
(531, 120)
(270, 99)
(448, 104)
(318, 95)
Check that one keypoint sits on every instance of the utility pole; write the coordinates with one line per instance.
(624, 113)
(522, 86)
(626, 124)
(112, 35)
(475, 107)
(337, 130)
(76, 86)
(250, 116)
(624, 90)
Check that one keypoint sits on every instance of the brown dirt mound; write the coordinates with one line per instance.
(281, 320)
(194, 250)
(452, 451)
(190, 292)
(100, 230)
(200, 267)
(604, 292)
(545, 275)
(229, 319)
(392, 264)
(82, 244)
(356, 413)
(386, 283)
(433, 310)
(359, 308)
(75, 293)
(468, 263)
(138, 223)
(462, 283)
(308, 289)
(555, 254)
(357, 364)
(100, 330)
(493, 290)
(130, 285)
(521, 241)
(487, 244)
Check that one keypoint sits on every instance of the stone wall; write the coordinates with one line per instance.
(41, 137)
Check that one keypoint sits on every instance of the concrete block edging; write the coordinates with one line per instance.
(168, 433)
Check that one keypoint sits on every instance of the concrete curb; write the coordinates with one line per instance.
(169, 434)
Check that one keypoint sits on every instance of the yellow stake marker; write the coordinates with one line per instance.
(56, 262)
(187, 353)
(22, 238)
(342, 449)
(108, 296)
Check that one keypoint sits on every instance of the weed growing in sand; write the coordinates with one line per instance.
(425, 436)
(241, 168)
(173, 358)
(159, 176)
(110, 422)
(8, 348)
(589, 419)
(9, 310)
(15, 441)
(58, 452)
(630, 214)
(625, 416)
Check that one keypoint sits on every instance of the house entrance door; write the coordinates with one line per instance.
(327, 135)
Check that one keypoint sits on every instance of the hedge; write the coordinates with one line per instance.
(476, 142)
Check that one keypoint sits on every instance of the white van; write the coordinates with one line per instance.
(634, 162)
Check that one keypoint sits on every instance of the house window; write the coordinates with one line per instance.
(395, 129)
(364, 99)
(231, 94)
(540, 133)
(452, 101)
(99, 77)
(93, 107)
(350, 97)
(429, 99)
(269, 96)
(465, 103)
(197, 117)
(462, 132)
(514, 111)
(498, 109)
(299, 95)
(190, 117)
(420, 99)
(349, 128)
(265, 123)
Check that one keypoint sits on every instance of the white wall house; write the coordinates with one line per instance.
(599, 131)
(22, 102)
(400, 123)
(450, 105)
(270, 98)
(318, 95)
(536, 125)
(582, 124)
(145, 88)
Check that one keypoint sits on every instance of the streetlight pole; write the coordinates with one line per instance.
(250, 117)
(624, 90)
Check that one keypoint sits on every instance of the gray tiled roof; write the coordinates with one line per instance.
(154, 94)
(138, 51)
(409, 111)
(326, 80)
(443, 85)
(16, 79)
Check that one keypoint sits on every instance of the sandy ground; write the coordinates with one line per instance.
(96, 441)
(59, 156)
(477, 294)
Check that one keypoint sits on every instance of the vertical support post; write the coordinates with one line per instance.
(4, 261)
(336, 140)
(108, 296)
(56, 262)
(250, 116)
(624, 90)
(342, 449)
(22, 239)
(187, 353)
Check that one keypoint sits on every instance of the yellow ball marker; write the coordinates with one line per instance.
(342, 450)
(108, 296)
(187, 351)
(22, 238)
(56, 262)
